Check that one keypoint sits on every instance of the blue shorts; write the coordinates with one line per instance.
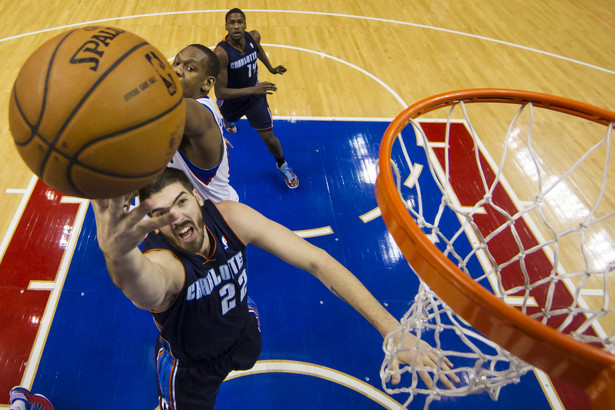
(254, 107)
(196, 387)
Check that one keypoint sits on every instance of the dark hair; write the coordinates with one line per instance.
(169, 176)
(235, 10)
(212, 64)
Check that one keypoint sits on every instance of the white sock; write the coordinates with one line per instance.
(18, 405)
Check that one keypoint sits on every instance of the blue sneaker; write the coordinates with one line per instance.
(32, 401)
(291, 179)
(230, 127)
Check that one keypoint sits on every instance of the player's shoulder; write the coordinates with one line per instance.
(221, 48)
(199, 116)
(166, 259)
(234, 212)
(227, 208)
(256, 36)
(206, 104)
(161, 255)
(221, 43)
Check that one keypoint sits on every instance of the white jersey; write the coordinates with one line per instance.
(212, 183)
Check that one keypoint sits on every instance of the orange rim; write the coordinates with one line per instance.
(558, 354)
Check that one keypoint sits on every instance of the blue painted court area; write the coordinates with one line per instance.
(100, 351)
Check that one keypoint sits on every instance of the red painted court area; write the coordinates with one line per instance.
(465, 178)
(33, 254)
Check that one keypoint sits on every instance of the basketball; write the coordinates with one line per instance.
(96, 112)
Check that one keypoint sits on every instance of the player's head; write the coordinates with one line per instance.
(235, 23)
(167, 177)
(172, 193)
(197, 68)
(235, 11)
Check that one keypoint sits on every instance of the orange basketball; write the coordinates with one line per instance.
(96, 112)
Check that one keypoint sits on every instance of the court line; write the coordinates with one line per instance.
(371, 215)
(311, 233)
(294, 118)
(339, 60)
(382, 20)
(56, 290)
(27, 192)
(326, 373)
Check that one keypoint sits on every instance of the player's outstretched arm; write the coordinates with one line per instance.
(150, 282)
(255, 229)
(263, 56)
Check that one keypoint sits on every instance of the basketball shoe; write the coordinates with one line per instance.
(291, 179)
(32, 401)
(230, 127)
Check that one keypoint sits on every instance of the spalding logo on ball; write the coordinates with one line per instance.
(97, 112)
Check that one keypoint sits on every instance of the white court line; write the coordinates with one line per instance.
(371, 215)
(455, 32)
(476, 210)
(339, 60)
(310, 233)
(294, 118)
(322, 372)
(42, 285)
(592, 292)
(520, 301)
(17, 216)
(414, 175)
(56, 290)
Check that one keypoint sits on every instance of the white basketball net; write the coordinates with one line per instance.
(482, 365)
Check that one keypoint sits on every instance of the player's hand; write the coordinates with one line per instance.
(227, 142)
(120, 230)
(265, 87)
(424, 359)
(278, 70)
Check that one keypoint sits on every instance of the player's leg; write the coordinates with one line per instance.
(254, 311)
(260, 119)
(273, 144)
(166, 370)
(188, 387)
(21, 399)
(275, 148)
(248, 349)
(230, 126)
(231, 111)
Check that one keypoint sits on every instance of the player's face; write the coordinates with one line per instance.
(186, 230)
(190, 68)
(235, 26)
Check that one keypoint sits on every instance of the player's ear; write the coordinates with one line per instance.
(199, 200)
(208, 83)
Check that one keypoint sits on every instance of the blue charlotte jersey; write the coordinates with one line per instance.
(242, 65)
(242, 72)
(211, 311)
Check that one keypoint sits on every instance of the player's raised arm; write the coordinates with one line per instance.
(253, 228)
(150, 282)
